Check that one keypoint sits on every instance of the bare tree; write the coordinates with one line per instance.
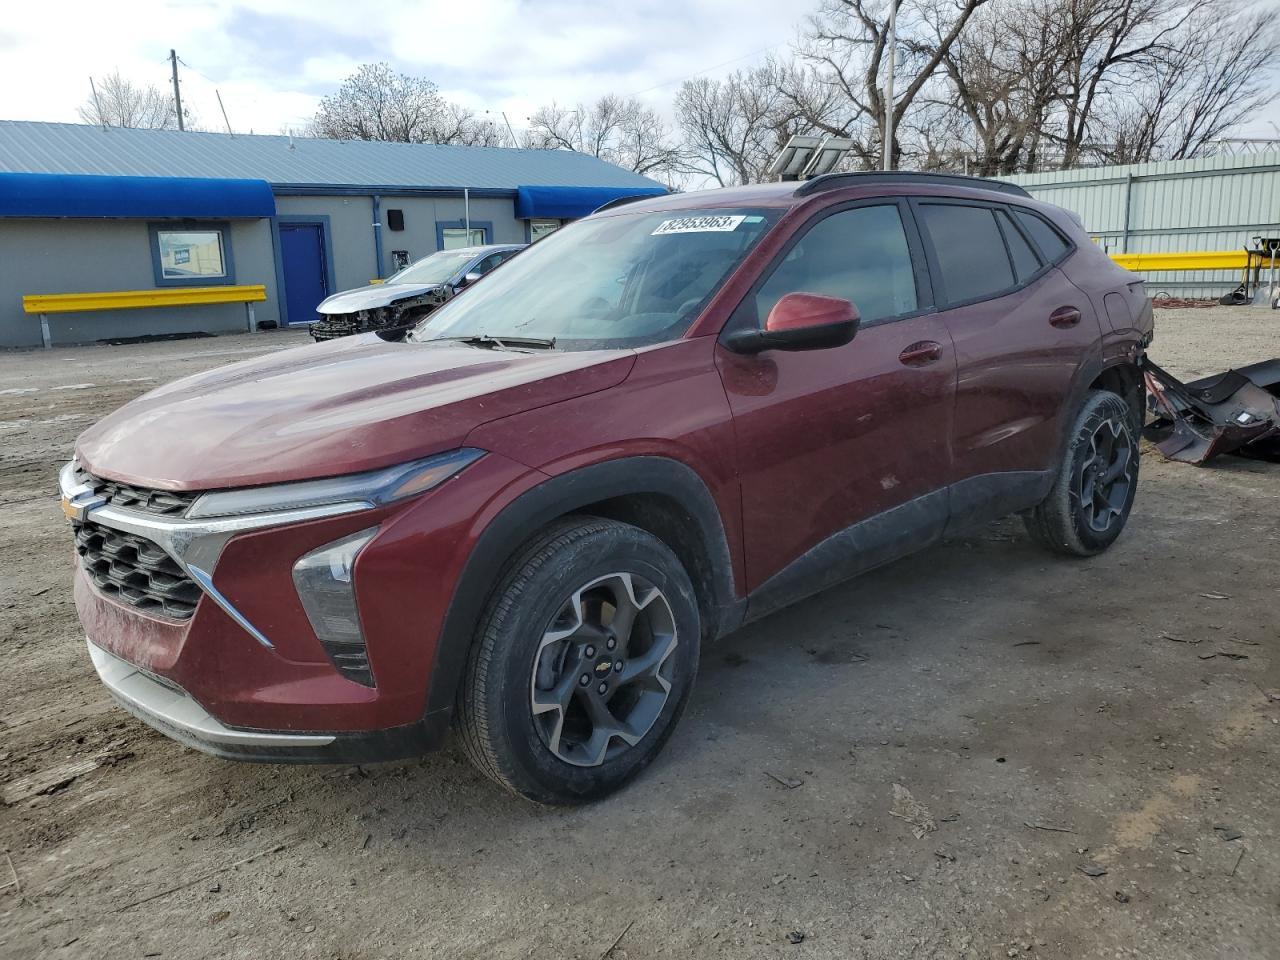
(123, 103)
(847, 41)
(1065, 82)
(622, 131)
(734, 127)
(988, 86)
(376, 103)
(1201, 81)
(1006, 74)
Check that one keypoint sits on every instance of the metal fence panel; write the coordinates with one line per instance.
(1207, 204)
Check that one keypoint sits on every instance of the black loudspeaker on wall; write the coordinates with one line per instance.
(395, 219)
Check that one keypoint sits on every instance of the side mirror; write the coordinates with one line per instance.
(800, 321)
(470, 278)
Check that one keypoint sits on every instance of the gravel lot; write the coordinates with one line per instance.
(1042, 715)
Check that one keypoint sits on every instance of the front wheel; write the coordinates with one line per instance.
(584, 660)
(1090, 501)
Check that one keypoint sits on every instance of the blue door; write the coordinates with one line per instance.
(305, 277)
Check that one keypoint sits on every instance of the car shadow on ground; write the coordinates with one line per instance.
(864, 642)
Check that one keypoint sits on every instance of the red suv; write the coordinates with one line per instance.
(524, 517)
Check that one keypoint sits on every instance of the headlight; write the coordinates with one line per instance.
(323, 579)
(372, 489)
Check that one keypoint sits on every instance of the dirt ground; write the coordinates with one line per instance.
(1042, 715)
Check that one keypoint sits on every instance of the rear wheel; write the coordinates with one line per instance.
(583, 663)
(1090, 501)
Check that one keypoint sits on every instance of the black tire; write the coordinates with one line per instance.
(1070, 520)
(574, 568)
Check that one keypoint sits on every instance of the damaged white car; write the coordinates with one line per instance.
(408, 296)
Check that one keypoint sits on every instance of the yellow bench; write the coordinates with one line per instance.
(47, 303)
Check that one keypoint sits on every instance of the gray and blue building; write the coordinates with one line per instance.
(114, 233)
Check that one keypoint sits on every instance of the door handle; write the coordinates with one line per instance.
(1064, 318)
(921, 353)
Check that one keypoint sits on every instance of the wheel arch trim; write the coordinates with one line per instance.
(562, 494)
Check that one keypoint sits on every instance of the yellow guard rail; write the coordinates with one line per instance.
(1204, 260)
(46, 303)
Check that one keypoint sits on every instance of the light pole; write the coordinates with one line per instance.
(887, 162)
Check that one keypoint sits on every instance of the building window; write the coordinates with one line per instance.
(541, 228)
(191, 254)
(455, 237)
(455, 234)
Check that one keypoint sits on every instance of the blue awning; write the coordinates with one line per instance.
(150, 198)
(569, 203)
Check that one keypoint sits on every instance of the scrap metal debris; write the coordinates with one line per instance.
(1233, 412)
(789, 782)
(16, 883)
(1046, 826)
(908, 808)
(1092, 870)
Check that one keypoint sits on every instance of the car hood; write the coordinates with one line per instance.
(373, 296)
(349, 405)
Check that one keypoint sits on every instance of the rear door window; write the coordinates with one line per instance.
(859, 254)
(971, 253)
(1047, 238)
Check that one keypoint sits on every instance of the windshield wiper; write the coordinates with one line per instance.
(503, 342)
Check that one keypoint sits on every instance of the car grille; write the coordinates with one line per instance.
(162, 503)
(135, 571)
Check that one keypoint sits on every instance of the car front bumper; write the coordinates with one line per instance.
(244, 675)
(168, 708)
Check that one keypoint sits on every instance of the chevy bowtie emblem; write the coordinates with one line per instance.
(603, 667)
(74, 508)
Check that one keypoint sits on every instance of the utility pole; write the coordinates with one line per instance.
(887, 163)
(217, 93)
(177, 94)
(97, 103)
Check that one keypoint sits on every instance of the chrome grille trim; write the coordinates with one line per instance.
(167, 503)
(194, 545)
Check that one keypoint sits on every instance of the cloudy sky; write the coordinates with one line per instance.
(273, 59)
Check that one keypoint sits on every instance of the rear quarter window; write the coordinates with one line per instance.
(1052, 244)
(1025, 260)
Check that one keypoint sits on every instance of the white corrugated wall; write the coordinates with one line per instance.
(1209, 204)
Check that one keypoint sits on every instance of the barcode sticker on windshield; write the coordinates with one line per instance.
(711, 224)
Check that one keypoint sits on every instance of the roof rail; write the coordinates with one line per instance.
(832, 181)
(619, 201)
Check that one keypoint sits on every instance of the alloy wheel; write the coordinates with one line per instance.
(1106, 475)
(599, 682)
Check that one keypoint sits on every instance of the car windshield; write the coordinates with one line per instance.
(618, 281)
(436, 268)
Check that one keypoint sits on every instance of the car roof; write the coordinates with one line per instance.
(792, 193)
(485, 248)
